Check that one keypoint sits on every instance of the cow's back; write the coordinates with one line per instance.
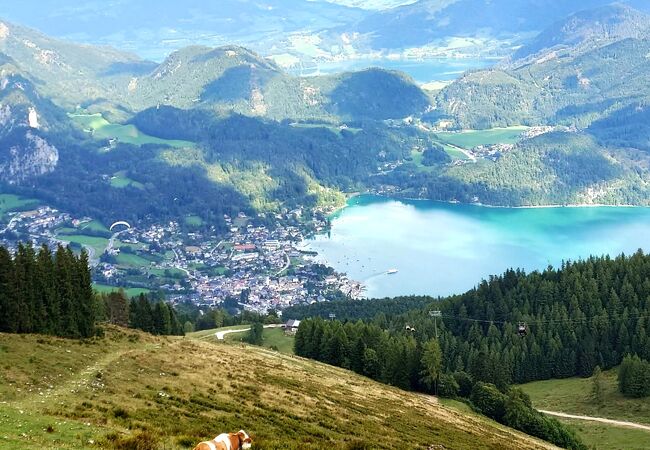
(211, 445)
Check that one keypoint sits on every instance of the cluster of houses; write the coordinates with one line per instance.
(261, 268)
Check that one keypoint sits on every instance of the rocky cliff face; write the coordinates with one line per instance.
(25, 119)
(24, 153)
(30, 157)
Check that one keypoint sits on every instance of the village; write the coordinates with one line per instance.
(251, 267)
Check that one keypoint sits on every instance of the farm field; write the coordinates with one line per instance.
(574, 396)
(131, 260)
(94, 225)
(173, 273)
(127, 134)
(98, 244)
(131, 292)
(472, 138)
(120, 181)
(194, 221)
(9, 202)
(273, 337)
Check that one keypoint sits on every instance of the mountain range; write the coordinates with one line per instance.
(299, 31)
(233, 124)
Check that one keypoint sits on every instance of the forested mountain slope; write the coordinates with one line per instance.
(581, 315)
(588, 66)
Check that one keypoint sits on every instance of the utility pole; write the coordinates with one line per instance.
(435, 314)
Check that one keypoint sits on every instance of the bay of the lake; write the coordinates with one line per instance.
(440, 248)
(422, 71)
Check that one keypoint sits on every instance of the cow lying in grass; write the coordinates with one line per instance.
(227, 441)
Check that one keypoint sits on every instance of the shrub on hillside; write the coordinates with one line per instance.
(634, 377)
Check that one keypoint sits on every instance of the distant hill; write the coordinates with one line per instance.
(427, 20)
(154, 29)
(69, 73)
(371, 4)
(234, 79)
(288, 154)
(569, 84)
(224, 80)
(131, 390)
(594, 27)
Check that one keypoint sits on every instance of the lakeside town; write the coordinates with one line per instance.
(251, 267)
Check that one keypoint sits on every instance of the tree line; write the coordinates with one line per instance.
(46, 292)
(404, 361)
(141, 313)
(581, 315)
(584, 315)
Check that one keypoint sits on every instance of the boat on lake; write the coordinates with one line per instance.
(392, 271)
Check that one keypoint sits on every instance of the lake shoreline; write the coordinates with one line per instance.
(397, 197)
(387, 231)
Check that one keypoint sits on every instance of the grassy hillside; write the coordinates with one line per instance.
(130, 390)
(574, 396)
(9, 203)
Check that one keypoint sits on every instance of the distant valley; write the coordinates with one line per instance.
(312, 178)
(104, 135)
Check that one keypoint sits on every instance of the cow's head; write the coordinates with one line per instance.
(244, 439)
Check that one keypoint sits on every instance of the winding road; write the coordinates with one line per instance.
(616, 423)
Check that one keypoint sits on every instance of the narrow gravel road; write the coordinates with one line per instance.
(221, 334)
(617, 423)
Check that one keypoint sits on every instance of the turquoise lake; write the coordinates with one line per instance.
(422, 71)
(441, 249)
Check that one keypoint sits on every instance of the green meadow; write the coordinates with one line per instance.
(473, 138)
(272, 338)
(120, 181)
(575, 396)
(131, 292)
(93, 225)
(131, 260)
(100, 128)
(194, 221)
(9, 202)
(98, 244)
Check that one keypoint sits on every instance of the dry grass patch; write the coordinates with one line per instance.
(136, 391)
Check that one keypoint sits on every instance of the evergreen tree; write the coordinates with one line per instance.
(162, 319)
(255, 335)
(431, 363)
(598, 387)
(9, 311)
(117, 308)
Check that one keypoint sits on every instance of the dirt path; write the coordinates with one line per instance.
(83, 379)
(617, 423)
(222, 334)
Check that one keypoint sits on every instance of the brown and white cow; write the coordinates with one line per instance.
(227, 441)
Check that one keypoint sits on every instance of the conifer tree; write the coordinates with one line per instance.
(9, 312)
